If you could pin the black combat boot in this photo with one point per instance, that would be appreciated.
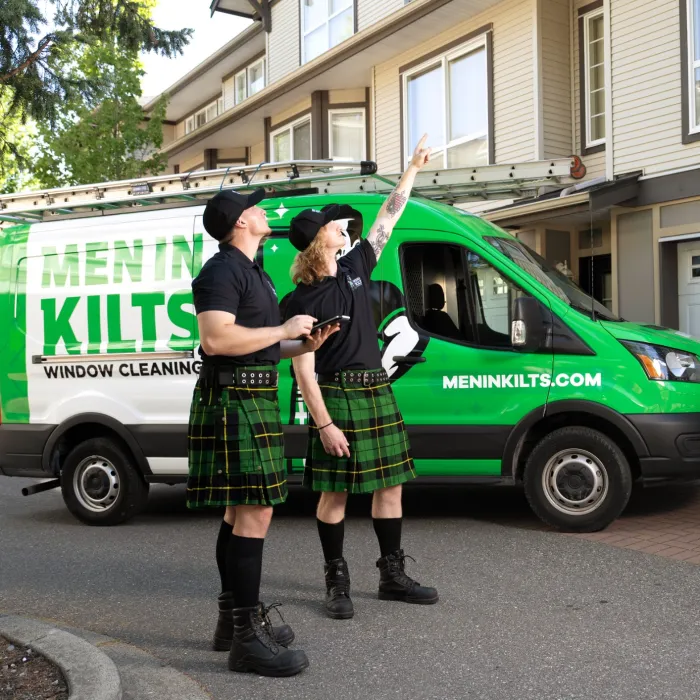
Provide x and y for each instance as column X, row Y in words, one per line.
column 254, row 650
column 395, row 584
column 338, row 603
column 223, row 636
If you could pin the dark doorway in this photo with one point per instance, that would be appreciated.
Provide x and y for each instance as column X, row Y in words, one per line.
column 597, row 270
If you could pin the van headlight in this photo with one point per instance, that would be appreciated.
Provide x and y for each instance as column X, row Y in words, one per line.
column 666, row 364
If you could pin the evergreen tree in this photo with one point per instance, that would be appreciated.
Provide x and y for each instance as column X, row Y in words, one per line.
column 33, row 45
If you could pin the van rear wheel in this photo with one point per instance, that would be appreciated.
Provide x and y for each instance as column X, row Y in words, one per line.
column 101, row 484
column 577, row 479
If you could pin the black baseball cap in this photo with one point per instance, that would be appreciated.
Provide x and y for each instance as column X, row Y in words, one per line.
column 225, row 208
column 306, row 225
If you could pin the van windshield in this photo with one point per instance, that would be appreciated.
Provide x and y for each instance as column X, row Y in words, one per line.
column 567, row 290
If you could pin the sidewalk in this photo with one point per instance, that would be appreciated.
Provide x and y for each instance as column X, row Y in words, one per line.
column 98, row 667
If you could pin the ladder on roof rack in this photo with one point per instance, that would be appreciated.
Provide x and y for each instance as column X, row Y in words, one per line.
column 452, row 186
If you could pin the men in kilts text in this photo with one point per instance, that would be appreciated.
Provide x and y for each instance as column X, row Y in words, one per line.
column 357, row 437
column 235, row 441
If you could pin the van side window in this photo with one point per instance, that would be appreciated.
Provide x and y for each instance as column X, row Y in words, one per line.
column 454, row 294
column 435, row 281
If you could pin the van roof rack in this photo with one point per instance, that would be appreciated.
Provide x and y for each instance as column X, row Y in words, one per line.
column 453, row 186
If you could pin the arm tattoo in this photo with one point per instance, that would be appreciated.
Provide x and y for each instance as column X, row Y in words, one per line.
column 396, row 203
column 380, row 241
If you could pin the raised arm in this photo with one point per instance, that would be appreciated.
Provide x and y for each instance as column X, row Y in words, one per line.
column 220, row 335
column 391, row 210
column 333, row 439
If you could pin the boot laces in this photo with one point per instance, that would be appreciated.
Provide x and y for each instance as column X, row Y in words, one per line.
column 397, row 569
column 263, row 626
column 340, row 583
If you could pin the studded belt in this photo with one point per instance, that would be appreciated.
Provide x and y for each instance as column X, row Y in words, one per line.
column 356, row 377
column 239, row 376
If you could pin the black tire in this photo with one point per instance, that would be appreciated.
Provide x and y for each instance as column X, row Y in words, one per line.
column 101, row 483
column 584, row 473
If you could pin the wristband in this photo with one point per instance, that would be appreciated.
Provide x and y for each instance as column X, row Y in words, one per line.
column 325, row 426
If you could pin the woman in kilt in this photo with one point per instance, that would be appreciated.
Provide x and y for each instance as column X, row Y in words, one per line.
column 357, row 440
column 235, row 442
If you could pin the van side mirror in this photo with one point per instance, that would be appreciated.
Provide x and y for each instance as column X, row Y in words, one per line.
column 527, row 332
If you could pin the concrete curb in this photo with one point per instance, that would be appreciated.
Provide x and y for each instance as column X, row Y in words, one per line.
column 90, row 673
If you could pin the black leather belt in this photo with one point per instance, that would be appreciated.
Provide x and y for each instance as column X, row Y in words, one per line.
column 357, row 377
column 239, row 376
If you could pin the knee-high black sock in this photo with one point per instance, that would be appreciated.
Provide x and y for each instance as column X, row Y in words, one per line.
column 332, row 536
column 244, row 569
column 222, row 541
column 388, row 531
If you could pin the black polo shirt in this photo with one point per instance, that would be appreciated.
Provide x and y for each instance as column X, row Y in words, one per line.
column 355, row 346
column 230, row 281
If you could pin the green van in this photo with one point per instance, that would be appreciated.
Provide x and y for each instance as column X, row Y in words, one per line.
column 506, row 372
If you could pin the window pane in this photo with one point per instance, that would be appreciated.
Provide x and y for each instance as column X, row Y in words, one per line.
column 468, row 96
column 316, row 43
column 425, row 102
column 597, row 102
column 302, row 141
column 697, row 97
column 341, row 28
column 347, row 135
column 338, row 5
column 597, row 76
column 494, row 296
column 211, row 112
column 695, row 260
column 696, row 26
column 315, row 12
column 256, row 78
column 598, row 128
column 595, row 28
column 475, row 152
column 201, row 119
column 240, row 87
column 281, row 147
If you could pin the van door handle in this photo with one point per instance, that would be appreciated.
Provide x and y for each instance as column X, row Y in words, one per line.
column 408, row 359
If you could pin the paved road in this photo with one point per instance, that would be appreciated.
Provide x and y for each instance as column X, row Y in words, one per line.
column 525, row 614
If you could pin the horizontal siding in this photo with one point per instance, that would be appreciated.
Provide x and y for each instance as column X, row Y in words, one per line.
column 336, row 97
column 371, row 11
column 301, row 106
column 556, row 77
column 646, row 67
column 595, row 163
column 283, row 41
column 257, row 153
column 180, row 130
column 195, row 162
column 513, row 85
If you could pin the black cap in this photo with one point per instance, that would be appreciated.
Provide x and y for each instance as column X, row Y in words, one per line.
column 308, row 223
column 225, row 208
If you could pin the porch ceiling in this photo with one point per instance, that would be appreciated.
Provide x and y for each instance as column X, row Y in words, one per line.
column 347, row 66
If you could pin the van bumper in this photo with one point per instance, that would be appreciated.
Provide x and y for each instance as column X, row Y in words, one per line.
column 673, row 440
column 21, row 449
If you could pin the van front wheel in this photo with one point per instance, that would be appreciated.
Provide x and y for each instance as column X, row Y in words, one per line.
column 101, row 484
column 577, row 479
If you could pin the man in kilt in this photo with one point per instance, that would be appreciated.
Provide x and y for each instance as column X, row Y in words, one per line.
column 357, row 438
column 235, row 441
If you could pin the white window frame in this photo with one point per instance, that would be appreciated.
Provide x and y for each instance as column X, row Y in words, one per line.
column 586, row 77
column 290, row 127
column 246, row 73
column 444, row 60
column 347, row 110
column 693, row 64
column 189, row 125
column 330, row 16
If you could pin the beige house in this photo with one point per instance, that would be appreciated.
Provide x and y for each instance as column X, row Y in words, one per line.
column 493, row 82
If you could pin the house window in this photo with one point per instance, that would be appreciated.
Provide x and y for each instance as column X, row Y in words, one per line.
column 325, row 24
column 347, row 129
column 693, row 10
column 593, row 78
column 448, row 98
column 189, row 125
column 204, row 115
column 291, row 142
column 249, row 81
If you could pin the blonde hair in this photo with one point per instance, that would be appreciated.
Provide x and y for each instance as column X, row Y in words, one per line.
column 310, row 265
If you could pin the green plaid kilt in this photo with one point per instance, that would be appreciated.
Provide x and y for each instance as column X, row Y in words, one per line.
column 380, row 454
column 235, row 448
